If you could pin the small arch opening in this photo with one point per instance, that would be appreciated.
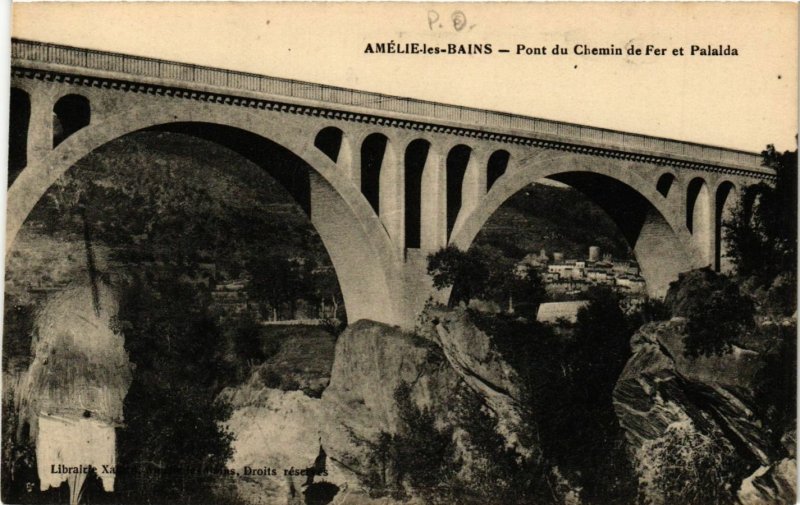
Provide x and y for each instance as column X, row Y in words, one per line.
column 696, row 190
column 329, row 141
column 457, row 160
column 496, row 167
column 415, row 157
column 664, row 184
column 19, row 121
column 70, row 114
column 373, row 150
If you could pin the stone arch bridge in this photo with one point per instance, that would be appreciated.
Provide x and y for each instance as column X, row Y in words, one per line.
column 385, row 180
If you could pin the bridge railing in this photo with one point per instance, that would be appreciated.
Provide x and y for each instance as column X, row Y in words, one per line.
column 169, row 70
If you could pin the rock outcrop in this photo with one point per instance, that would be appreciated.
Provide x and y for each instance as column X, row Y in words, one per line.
column 660, row 388
column 771, row 485
column 371, row 361
column 470, row 353
column 72, row 394
column 283, row 430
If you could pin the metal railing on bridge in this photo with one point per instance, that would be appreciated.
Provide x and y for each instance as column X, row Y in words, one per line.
column 169, row 70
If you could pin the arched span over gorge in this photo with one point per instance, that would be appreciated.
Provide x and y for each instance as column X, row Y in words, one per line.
column 385, row 180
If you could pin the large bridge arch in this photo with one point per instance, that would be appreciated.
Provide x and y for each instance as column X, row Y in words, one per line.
column 352, row 234
column 661, row 243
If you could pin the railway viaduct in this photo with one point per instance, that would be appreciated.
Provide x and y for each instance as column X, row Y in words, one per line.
column 385, row 180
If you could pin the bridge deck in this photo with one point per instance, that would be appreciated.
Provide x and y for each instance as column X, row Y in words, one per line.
column 23, row 51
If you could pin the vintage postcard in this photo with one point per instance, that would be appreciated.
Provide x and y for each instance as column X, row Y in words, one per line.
column 401, row 253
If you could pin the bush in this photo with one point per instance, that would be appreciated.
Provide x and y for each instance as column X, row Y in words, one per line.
column 497, row 475
column 776, row 382
column 651, row 309
column 173, row 444
column 419, row 456
column 247, row 341
column 717, row 313
column 716, row 321
column 762, row 231
column 687, row 467
column 333, row 326
column 19, row 474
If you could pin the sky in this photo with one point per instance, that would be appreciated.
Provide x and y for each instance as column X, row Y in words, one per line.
column 742, row 102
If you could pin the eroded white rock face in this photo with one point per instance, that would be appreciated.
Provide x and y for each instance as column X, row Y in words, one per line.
column 72, row 394
column 67, row 448
column 278, row 435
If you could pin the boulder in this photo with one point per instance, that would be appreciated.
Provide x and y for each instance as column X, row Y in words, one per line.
column 372, row 359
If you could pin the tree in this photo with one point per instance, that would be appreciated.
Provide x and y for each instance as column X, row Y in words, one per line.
column 276, row 280
column 462, row 270
column 717, row 313
column 762, row 231
column 173, row 443
column 483, row 272
column 247, row 341
column 566, row 395
column 586, row 438
column 601, row 344
column 528, row 292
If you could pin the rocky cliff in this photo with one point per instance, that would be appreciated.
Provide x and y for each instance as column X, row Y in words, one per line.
column 283, row 430
column 706, row 404
column 661, row 394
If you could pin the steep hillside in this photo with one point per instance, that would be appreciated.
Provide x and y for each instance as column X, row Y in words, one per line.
column 554, row 218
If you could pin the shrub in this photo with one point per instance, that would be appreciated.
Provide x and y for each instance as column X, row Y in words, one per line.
column 419, row 456
column 687, row 467
column 497, row 474
column 717, row 313
column 762, row 230
column 716, row 320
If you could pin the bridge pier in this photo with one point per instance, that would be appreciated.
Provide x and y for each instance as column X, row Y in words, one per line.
column 659, row 259
column 433, row 205
column 474, row 185
column 392, row 204
column 40, row 130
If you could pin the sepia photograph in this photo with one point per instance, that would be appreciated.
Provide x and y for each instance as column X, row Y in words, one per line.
column 400, row 253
